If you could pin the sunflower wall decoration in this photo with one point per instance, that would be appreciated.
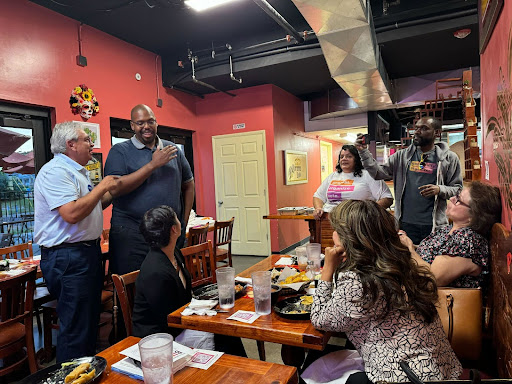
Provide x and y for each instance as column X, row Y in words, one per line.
column 83, row 102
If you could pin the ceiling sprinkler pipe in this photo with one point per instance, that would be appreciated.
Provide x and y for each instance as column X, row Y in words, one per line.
column 205, row 84
column 276, row 16
column 231, row 75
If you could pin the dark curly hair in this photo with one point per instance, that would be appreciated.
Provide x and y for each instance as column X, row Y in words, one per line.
column 384, row 265
column 358, row 168
column 485, row 205
column 156, row 225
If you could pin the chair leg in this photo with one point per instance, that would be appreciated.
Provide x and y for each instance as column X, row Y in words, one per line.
column 31, row 352
column 261, row 350
column 38, row 319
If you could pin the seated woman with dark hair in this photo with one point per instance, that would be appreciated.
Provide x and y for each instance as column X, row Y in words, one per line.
column 458, row 254
column 164, row 285
column 381, row 299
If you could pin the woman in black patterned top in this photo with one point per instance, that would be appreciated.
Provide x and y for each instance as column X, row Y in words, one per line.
column 382, row 299
column 458, row 255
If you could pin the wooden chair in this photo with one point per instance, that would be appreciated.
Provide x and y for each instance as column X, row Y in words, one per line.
column 200, row 263
column 17, row 299
column 223, row 231
column 197, row 235
column 41, row 295
column 19, row 252
column 125, row 288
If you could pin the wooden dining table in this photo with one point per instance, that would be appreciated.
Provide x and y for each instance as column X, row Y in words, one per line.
column 294, row 335
column 24, row 264
column 228, row 369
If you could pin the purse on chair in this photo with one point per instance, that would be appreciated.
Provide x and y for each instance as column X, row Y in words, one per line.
column 460, row 310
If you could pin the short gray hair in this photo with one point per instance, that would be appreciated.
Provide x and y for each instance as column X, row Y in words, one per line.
column 62, row 133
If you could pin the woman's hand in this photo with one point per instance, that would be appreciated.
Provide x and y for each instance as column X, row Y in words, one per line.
column 334, row 256
column 406, row 240
column 317, row 214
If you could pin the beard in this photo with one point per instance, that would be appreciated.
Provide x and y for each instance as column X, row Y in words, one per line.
column 422, row 141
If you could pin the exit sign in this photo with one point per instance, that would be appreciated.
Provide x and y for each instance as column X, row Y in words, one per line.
column 239, row 126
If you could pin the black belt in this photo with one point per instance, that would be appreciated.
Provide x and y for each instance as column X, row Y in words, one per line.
column 87, row 243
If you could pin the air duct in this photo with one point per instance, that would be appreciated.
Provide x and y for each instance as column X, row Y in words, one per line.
column 345, row 31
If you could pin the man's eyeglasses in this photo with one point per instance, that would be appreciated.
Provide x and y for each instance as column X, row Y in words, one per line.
column 142, row 123
column 459, row 201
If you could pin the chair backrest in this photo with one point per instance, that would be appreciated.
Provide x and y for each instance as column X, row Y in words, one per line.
column 200, row 263
column 105, row 234
column 125, row 288
column 17, row 299
column 20, row 251
column 5, row 239
column 197, row 235
column 223, row 231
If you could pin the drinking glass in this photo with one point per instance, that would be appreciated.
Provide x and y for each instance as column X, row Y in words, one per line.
column 261, row 288
column 226, row 286
column 302, row 258
column 314, row 260
column 156, row 358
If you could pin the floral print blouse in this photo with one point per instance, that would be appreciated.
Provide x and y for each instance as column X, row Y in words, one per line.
column 384, row 342
column 464, row 242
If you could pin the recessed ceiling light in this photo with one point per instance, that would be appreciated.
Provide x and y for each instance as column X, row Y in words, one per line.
column 201, row 5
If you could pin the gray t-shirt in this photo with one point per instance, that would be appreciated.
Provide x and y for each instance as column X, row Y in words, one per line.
column 162, row 187
column 422, row 170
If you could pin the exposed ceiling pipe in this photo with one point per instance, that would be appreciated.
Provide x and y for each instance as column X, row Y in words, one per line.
column 276, row 16
column 250, row 57
column 192, row 60
column 231, row 75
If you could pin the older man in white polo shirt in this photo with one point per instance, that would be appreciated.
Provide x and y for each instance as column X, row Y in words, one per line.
column 68, row 224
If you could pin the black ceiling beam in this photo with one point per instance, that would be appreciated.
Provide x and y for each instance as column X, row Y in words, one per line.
column 276, row 16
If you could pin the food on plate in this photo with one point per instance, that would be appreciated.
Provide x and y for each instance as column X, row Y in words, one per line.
column 75, row 373
column 85, row 377
column 239, row 288
column 299, row 277
column 306, row 300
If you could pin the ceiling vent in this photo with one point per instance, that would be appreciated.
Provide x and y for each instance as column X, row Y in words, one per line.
column 346, row 34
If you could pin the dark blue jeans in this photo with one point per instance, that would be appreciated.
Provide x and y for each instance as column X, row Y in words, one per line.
column 74, row 276
column 416, row 232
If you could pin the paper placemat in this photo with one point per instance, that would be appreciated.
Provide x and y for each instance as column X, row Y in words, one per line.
column 244, row 316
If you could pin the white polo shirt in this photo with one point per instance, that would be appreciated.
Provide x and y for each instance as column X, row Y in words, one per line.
column 60, row 181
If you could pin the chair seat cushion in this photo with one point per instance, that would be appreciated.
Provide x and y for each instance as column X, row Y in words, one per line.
column 42, row 294
column 11, row 334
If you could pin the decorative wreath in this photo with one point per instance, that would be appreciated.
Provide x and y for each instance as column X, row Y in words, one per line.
column 83, row 102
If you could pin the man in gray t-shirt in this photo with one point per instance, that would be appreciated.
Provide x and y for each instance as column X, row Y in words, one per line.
column 425, row 176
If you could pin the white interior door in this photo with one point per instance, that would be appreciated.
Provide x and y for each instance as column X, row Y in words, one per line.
column 240, row 169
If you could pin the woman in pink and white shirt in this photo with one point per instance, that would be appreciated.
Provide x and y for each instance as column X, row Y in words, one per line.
column 349, row 182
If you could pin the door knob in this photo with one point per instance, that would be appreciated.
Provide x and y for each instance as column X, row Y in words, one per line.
column 220, row 202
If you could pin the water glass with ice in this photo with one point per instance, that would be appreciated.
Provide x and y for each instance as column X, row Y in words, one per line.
column 302, row 257
column 261, row 287
column 156, row 358
column 314, row 260
column 226, row 286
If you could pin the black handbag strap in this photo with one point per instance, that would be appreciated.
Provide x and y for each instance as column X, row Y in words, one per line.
column 449, row 308
column 474, row 375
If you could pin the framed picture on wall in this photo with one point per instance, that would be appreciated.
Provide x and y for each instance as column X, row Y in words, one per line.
column 488, row 12
column 95, row 168
column 296, row 167
column 93, row 130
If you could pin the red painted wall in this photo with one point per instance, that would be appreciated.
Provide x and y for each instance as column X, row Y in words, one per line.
column 38, row 66
column 496, row 87
column 216, row 115
column 38, row 50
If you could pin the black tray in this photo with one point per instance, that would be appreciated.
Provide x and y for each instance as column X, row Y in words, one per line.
column 56, row 373
column 210, row 292
column 283, row 307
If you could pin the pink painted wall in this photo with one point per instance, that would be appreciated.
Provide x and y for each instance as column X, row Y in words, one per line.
column 496, row 87
column 38, row 66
